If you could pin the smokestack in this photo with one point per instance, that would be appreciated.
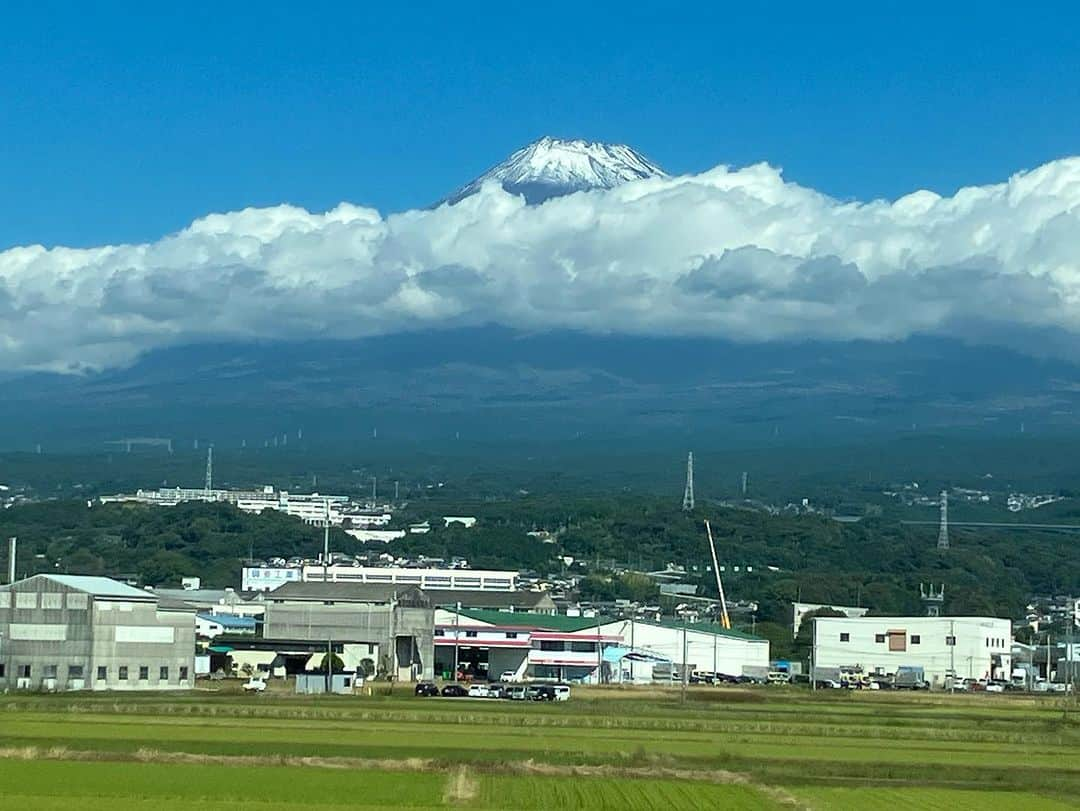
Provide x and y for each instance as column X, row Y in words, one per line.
column 12, row 541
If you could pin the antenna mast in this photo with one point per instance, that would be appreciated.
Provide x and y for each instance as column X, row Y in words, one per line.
column 209, row 469
column 688, row 493
column 725, row 620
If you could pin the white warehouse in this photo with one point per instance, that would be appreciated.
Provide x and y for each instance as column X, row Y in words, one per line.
column 966, row 647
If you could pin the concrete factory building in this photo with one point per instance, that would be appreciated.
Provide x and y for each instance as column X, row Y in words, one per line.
column 963, row 647
column 390, row 626
column 69, row 632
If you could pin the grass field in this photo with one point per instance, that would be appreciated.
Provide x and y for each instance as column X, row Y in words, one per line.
column 730, row 749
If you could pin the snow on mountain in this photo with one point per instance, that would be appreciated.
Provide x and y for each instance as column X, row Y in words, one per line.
column 551, row 167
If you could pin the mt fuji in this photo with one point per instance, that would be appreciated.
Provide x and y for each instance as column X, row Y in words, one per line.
column 552, row 167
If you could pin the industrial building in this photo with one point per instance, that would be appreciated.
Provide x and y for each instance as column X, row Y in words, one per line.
column 944, row 647
column 487, row 644
column 69, row 632
column 699, row 647
column 268, row 578
column 390, row 626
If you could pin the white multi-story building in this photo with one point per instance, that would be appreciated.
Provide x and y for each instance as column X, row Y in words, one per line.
column 268, row 578
column 965, row 647
column 311, row 508
column 456, row 579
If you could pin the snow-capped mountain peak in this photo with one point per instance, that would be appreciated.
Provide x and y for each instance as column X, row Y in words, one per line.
column 551, row 167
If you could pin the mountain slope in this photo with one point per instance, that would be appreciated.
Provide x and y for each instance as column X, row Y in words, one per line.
column 551, row 167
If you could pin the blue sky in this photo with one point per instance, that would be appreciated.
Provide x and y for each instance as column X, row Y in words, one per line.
column 119, row 124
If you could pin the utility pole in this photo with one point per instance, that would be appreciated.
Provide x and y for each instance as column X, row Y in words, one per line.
column 329, row 667
column 457, row 624
column 952, row 656
column 326, row 538
column 714, row 639
column 599, row 654
column 683, row 688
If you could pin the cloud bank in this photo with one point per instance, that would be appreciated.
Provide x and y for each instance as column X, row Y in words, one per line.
column 739, row 254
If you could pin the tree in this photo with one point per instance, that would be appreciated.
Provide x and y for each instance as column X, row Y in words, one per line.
column 335, row 662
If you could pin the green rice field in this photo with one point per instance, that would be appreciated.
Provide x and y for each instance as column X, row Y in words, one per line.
column 618, row 749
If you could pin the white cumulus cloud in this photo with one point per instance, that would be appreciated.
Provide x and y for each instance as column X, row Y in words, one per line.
column 739, row 254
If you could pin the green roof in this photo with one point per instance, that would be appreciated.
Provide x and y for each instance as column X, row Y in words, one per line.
column 524, row 619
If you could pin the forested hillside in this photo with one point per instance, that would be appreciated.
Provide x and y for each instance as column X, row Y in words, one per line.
column 876, row 563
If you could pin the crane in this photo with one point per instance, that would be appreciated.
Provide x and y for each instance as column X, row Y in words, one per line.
column 725, row 620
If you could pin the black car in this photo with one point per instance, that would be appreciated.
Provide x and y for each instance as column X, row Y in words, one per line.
column 544, row 692
column 454, row 691
column 426, row 688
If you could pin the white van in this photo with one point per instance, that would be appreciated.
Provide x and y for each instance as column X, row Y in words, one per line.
column 479, row 691
column 562, row 692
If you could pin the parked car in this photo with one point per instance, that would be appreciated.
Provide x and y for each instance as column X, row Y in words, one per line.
column 519, row 692
column 254, row 685
column 827, row 684
column 426, row 688
column 749, row 680
column 479, row 691
column 995, row 687
column 454, row 691
column 779, row 677
column 508, row 676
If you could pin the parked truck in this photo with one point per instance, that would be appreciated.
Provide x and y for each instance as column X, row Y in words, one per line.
column 910, row 677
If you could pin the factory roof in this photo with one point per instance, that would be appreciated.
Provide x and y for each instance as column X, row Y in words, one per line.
column 543, row 622
column 97, row 586
column 383, row 593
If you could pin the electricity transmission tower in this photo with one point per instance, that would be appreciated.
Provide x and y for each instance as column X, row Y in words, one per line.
column 688, row 493
column 943, row 530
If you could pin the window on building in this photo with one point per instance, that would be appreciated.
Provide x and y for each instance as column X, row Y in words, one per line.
column 916, row 639
column 897, row 640
column 583, row 647
column 123, row 673
column 950, row 641
column 440, row 632
column 75, row 671
column 371, row 648
column 102, row 673
column 183, row 674
column 845, row 636
column 52, row 601
column 511, row 634
column 471, row 634
column 144, row 673
column 879, row 638
column 163, row 674
column 49, row 672
column 552, row 644
column 23, row 671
